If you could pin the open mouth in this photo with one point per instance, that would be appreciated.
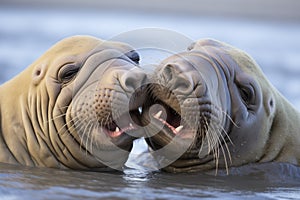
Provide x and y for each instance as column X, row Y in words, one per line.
column 115, row 130
column 171, row 122
column 128, row 122
column 170, row 118
column 121, row 131
column 125, row 124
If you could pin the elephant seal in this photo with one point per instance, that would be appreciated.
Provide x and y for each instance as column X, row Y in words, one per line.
column 69, row 109
column 217, row 101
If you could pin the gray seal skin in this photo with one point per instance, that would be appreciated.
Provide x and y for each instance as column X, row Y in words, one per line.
column 68, row 108
column 217, row 96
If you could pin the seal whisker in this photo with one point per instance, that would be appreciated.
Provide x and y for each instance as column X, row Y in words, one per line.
column 83, row 135
column 69, row 128
column 202, row 139
column 230, row 119
column 63, row 107
column 226, row 115
column 56, row 117
column 221, row 129
column 207, row 137
column 93, row 135
column 66, row 124
column 214, row 149
column 220, row 116
column 222, row 148
column 226, row 145
column 107, row 119
column 77, row 123
column 90, row 137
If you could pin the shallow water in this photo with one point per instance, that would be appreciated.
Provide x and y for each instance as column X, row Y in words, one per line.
column 265, row 181
column 26, row 33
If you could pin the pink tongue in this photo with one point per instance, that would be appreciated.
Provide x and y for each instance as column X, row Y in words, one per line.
column 114, row 134
column 168, row 125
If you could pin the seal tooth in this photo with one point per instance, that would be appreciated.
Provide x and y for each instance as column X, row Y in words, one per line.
column 158, row 114
column 140, row 109
column 178, row 129
column 117, row 129
column 130, row 124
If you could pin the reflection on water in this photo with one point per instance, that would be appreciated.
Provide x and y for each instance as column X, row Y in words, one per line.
column 273, row 181
column 26, row 34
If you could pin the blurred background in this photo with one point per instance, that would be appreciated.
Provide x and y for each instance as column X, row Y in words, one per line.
column 268, row 30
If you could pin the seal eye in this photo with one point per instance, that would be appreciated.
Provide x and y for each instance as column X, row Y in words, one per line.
column 247, row 94
column 134, row 56
column 67, row 72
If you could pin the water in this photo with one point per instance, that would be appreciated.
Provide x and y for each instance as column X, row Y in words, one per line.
column 26, row 33
column 265, row 181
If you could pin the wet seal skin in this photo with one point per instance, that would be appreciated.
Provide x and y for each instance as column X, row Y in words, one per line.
column 70, row 108
column 217, row 101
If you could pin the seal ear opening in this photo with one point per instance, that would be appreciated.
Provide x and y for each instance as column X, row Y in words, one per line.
column 38, row 74
column 270, row 105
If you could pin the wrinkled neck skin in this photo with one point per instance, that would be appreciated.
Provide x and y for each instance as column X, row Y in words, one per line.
column 284, row 136
column 13, row 114
column 33, row 130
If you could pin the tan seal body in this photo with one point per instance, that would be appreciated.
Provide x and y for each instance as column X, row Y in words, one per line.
column 63, row 110
column 216, row 96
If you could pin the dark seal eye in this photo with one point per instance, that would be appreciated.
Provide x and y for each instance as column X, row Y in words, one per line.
column 247, row 94
column 68, row 72
column 134, row 56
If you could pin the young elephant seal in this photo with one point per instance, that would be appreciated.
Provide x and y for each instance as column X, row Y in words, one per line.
column 69, row 109
column 215, row 100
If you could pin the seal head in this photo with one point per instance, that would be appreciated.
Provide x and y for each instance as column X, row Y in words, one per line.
column 73, row 107
column 215, row 101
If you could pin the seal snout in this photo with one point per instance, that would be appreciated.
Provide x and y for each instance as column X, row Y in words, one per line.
column 132, row 80
column 183, row 79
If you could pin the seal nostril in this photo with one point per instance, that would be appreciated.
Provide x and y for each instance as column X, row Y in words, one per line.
column 132, row 80
column 38, row 72
column 167, row 73
column 271, row 103
column 178, row 78
column 200, row 90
